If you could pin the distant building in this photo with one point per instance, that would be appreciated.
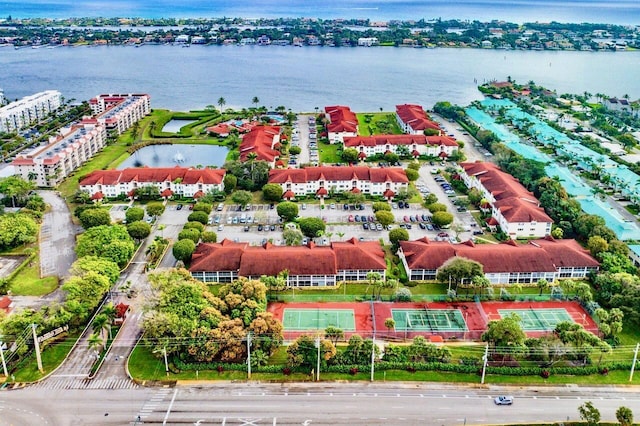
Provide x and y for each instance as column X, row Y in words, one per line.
column 342, row 123
column 186, row 182
column 368, row 41
column 307, row 266
column 505, row 263
column 119, row 112
column 28, row 110
column 48, row 166
column 514, row 209
column 320, row 181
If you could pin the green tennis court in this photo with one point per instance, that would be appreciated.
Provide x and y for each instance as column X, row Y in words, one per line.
column 318, row 319
column 428, row 320
column 538, row 319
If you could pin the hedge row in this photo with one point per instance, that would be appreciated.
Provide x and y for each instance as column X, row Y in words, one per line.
column 418, row 366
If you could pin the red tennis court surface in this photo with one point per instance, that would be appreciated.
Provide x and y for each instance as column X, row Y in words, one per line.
column 370, row 317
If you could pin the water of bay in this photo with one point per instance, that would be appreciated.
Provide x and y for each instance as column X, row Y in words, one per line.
column 302, row 78
column 610, row 11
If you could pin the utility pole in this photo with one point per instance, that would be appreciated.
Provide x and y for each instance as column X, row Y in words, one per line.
column 373, row 356
column 166, row 363
column 4, row 363
column 635, row 358
column 36, row 346
column 485, row 358
column 318, row 369
column 249, row 355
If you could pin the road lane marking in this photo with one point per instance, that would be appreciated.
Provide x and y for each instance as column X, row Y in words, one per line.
column 166, row 417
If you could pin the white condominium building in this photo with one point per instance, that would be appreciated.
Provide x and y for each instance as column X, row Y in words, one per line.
column 47, row 166
column 28, row 110
column 119, row 112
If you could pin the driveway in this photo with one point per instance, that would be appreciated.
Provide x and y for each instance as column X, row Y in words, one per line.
column 57, row 237
column 471, row 145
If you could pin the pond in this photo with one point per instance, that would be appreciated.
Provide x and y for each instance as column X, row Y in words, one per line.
column 177, row 155
column 174, row 126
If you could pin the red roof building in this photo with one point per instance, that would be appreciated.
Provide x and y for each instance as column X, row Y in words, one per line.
column 342, row 123
column 64, row 153
column 6, row 304
column 430, row 146
column 175, row 180
column 119, row 112
column 308, row 265
column 414, row 120
column 506, row 263
column 516, row 210
column 323, row 179
column 261, row 141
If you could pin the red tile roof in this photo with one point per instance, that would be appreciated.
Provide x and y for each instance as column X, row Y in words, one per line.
column 288, row 195
column 338, row 173
column 342, row 119
column 299, row 260
column 544, row 255
column 415, row 117
column 515, row 203
column 166, row 193
column 377, row 140
column 97, row 196
column 5, row 302
column 260, row 140
column 154, row 174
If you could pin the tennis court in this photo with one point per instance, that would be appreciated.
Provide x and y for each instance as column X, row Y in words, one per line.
column 538, row 319
column 318, row 319
column 428, row 320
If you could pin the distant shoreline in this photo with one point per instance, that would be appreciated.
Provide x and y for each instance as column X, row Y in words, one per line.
column 37, row 33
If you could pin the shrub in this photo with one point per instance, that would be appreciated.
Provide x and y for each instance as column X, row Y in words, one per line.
column 545, row 374
column 402, row 295
column 286, row 371
column 604, row 371
column 353, row 371
column 220, row 369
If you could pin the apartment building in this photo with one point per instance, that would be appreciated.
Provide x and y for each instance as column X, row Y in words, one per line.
column 413, row 144
column 183, row 181
column 514, row 209
column 119, row 112
column 28, row 110
column 323, row 180
column 503, row 264
column 47, row 166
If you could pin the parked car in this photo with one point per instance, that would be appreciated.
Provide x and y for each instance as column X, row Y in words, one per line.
column 378, row 227
column 365, row 225
column 350, row 218
column 272, row 228
column 179, row 207
column 357, row 218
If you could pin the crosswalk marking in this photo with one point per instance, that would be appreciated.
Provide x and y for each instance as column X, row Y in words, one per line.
column 70, row 383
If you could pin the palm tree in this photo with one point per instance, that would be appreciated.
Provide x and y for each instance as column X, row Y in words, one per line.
column 100, row 324
column 95, row 343
column 255, row 101
column 221, row 102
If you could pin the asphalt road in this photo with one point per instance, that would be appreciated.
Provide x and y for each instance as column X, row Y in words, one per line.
column 310, row 404
column 57, row 237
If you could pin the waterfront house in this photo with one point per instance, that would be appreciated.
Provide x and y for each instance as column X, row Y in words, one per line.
column 118, row 112
column 264, row 142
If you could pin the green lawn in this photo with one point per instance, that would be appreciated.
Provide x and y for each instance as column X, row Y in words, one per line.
column 28, row 282
column 375, row 123
column 52, row 356
column 329, row 153
column 144, row 366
